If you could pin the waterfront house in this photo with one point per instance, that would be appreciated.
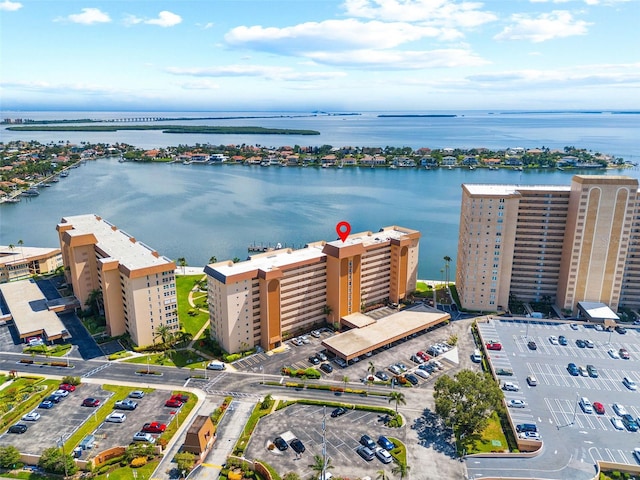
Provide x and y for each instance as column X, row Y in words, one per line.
column 470, row 161
column 330, row 159
column 449, row 161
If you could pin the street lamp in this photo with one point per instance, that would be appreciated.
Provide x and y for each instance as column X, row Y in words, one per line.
column 262, row 372
column 64, row 460
column 575, row 409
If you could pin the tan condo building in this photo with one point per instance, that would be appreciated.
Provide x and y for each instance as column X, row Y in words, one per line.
column 137, row 284
column 262, row 301
column 18, row 262
column 562, row 244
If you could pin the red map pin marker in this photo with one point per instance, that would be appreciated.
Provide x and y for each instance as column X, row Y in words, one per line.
column 343, row 229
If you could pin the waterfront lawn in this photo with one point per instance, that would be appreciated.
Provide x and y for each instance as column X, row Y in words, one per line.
column 191, row 319
column 423, row 289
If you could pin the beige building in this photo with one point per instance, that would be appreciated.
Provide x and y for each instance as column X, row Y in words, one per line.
column 276, row 294
column 564, row 244
column 19, row 262
column 137, row 284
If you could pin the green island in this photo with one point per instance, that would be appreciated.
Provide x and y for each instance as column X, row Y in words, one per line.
column 166, row 129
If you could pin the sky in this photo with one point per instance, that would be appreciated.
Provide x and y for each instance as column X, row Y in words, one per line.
column 326, row 55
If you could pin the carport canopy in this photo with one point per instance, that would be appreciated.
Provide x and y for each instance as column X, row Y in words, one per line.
column 598, row 312
column 359, row 341
column 30, row 312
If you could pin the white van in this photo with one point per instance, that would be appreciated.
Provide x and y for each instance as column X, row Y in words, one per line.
column 585, row 404
column 216, row 365
column 476, row 357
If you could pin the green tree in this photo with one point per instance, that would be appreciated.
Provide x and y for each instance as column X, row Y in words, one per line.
column 401, row 469
column 213, row 259
column 321, row 466
column 371, row 369
column 53, row 461
column 236, row 259
column 164, row 333
column 345, row 379
column 182, row 262
column 95, row 301
column 398, row 398
column 291, row 476
column 267, row 402
column 466, row 401
column 447, row 260
column 9, row 456
column 185, row 461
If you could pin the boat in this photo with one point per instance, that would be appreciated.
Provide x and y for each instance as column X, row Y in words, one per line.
column 32, row 192
column 325, row 165
column 471, row 167
column 341, row 165
column 393, row 167
column 265, row 163
column 54, row 180
column 64, row 173
column 449, row 167
column 11, row 200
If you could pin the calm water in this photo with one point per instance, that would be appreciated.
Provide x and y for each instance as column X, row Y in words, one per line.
column 200, row 211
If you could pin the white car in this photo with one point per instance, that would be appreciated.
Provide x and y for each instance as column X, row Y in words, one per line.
column 532, row 380
column 619, row 409
column 530, row 435
column 636, row 453
column 613, row 353
column 630, row 384
column 61, row 393
column 553, row 340
column 31, row 417
column 514, row 403
column 116, row 417
column 599, row 328
column 421, row 373
column 510, row 387
column 617, row 423
column 583, row 371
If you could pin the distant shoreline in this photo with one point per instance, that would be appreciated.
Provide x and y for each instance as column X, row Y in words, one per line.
column 417, row 116
column 190, row 129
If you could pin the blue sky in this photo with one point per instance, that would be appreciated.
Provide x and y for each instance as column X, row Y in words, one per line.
column 302, row 55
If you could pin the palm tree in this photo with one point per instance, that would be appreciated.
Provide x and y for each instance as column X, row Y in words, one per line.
column 164, row 333
column 447, row 260
column 321, row 466
column 401, row 469
column 94, row 301
column 397, row 397
column 382, row 475
column 345, row 379
column 213, row 259
column 371, row 369
column 183, row 263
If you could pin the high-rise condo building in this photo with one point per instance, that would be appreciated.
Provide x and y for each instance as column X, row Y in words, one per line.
column 561, row 244
column 136, row 285
column 263, row 300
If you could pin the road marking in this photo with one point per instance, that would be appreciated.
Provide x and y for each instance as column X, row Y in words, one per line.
column 212, row 465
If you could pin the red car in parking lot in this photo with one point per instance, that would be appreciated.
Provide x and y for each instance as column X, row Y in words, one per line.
column 173, row 403
column 598, row 407
column 494, row 346
column 90, row 402
column 154, row 427
column 67, row 387
column 180, row 397
column 423, row 356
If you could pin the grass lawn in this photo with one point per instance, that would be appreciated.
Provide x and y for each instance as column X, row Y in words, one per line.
column 126, row 473
column 484, row 444
column 25, row 475
column 180, row 358
column 399, row 453
column 422, row 289
column 54, row 351
column 190, row 323
column 24, row 394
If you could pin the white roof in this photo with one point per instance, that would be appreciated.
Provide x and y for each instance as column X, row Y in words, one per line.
column 28, row 307
column 501, row 190
column 598, row 310
column 271, row 260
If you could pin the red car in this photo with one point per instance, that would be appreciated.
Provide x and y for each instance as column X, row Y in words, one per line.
column 423, row 356
column 154, row 427
column 624, row 353
column 494, row 346
column 180, row 397
column 67, row 387
column 90, row 402
column 173, row 403
column 598, row 407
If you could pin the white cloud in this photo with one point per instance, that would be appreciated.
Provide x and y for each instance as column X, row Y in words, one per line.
column 400, row 59
column 89, row 16
column 9, row 6
column 59, row 88
column 200, row 85
column 443, row 13
column 165, row 19
column 264, row 71
column 546, row 26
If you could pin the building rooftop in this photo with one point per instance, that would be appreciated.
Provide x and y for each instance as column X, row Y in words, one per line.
column 115, row 243
column 597, row 310
column 28, row 307
column 502, row 190
column 21, row 254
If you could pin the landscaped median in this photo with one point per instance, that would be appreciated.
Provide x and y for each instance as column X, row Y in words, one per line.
column 22, row 396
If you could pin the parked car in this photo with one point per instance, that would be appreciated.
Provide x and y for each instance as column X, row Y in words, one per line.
column 510, row 387
column 395, row 370
column 321, row 356
column 585, row 405
column 562, row 340
column 297, row 446
column 314, row 360
column 423, row 355
column 67, row 387
column 280, row 444
column 416, row 359
column 338, row 412
column 90, row 402
column 589, row 344
column 18, row 428
column 580, row 343
column 366, row 441
column 619, row 409
column 173, row 403
column 583, row 371
column 532, row 345
column 340, row 362
column 46, row 404
column 421, row 373
column 154, row 427
column 413, row 380
column 573, row 369
column 125, row 405
column 630, row 384
column 574, row 326
column 617, row 423
column 529, row 435
column 181, row 397
column 54, row 398
column 216, row 365
column 385, row 443
column 365, row 453
column 326, row 368
column 621, row 330
column 116, row 417
column 624, row 353
column 494, row 346
column 553, row 340
column 382, row 376
column 31, row 416
column 592, row 371
column 532, row 380
column 613, row 354
column 599, row 408
column 136, row 394
column 316, row 333
column 515, row 403
column 598, row 327
column 305, row 339
column 402, row 366
column 384, row 456
column 297, row 341
column 629, row 422
column 636, row 454
column 143, row 437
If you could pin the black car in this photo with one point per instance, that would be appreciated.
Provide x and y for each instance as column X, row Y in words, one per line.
column 18, row 428
column 326, row 368
column 412, row 378
column 382, row 376
column 314, row 360
column 297, row 445
column 562, row 340
column 580, row 343
column 280, row 444
column 54, row 398
column 621, row 330
column 338, row 412
column 532, row 345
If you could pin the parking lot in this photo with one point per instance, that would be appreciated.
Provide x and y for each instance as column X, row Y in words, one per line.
column 297, row 356
column 553, row 403
column 342, row 438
